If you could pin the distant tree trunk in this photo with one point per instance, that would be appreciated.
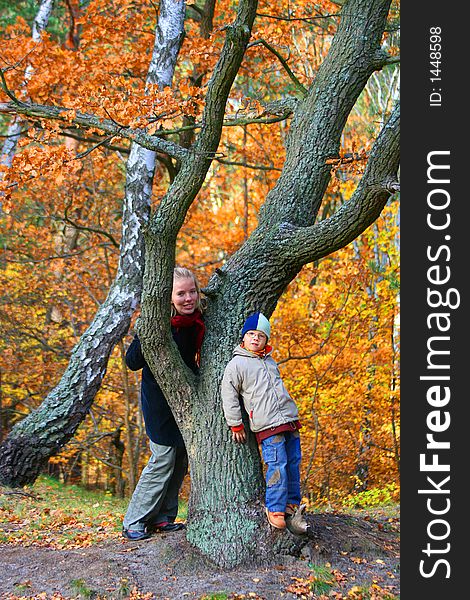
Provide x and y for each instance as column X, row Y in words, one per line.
column 361, row 482
column 116, row 454
column 394, row 395
column 84, row 462
column 3, row 413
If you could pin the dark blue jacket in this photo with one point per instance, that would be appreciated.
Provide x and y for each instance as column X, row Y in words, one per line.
column 160, row 424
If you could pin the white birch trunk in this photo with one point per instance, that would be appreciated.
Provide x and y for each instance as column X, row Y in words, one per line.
column 14, row 130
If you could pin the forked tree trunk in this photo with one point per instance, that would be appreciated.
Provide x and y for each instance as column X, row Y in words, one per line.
column 226, row 514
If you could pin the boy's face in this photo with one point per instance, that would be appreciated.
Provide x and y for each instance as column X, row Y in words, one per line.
column 254, row 340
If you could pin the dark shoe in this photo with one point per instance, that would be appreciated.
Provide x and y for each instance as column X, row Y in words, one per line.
column 167, row 527
column 135, row 534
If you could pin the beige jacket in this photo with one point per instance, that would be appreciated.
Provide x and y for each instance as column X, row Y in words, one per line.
column 258, row 382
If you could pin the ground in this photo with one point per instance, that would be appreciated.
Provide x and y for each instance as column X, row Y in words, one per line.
column 346, row 557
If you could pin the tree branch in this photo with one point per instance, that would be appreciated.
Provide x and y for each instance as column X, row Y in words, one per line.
column 319, row 119
column 377, row 184
column 283, row 62
column 68, row 220
column 104, row 142
column 287, row 217
column 391, row 60
column 72, row 117
column 196, row 162
column 235, row 163
column 94, row 140
column 8, row 92
column 33, row 261
column 254, row 121
column 293, row 19
column 164, row 227
column 232, row 122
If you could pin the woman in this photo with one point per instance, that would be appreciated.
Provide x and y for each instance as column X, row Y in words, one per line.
column 154, row 503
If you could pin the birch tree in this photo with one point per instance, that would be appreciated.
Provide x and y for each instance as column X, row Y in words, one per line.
column 14, row 130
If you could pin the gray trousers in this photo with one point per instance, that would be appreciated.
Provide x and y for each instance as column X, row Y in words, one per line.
column 155, row 498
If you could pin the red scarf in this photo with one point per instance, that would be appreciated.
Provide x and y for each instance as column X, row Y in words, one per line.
column 262, row 353
column 195, row 320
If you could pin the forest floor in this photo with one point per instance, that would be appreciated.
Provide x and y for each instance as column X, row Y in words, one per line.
column 48, row 554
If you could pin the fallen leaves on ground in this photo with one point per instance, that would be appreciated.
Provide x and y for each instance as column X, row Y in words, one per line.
column 49, row 519
column 318, row 586
column 133, row 595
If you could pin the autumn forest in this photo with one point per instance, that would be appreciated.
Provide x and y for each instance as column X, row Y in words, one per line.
column 64, row 189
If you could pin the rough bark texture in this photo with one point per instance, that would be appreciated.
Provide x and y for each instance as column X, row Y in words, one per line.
column 226, row 518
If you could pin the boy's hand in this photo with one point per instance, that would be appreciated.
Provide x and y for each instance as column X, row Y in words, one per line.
column 239, row 436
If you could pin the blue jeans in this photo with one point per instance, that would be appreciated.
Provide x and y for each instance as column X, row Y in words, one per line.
column 282, row 456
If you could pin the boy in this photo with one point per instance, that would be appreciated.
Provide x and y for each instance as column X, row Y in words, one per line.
column 253, row 375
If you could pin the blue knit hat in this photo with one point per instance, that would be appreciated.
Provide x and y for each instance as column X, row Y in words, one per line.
column 257, row 322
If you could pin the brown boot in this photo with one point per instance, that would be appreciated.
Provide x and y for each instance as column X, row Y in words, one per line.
column 276, row 519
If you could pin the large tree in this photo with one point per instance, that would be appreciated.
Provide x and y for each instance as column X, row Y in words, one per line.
column 225, row 519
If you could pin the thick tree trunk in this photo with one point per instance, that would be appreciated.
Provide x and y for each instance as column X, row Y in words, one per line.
column 227, row 487
column 226, row 518
column 226, row 514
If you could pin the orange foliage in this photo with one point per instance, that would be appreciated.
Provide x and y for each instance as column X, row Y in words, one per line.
column 335, row 329
column 336, row 332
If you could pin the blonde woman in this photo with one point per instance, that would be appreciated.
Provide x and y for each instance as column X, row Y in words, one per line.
column 154, row 503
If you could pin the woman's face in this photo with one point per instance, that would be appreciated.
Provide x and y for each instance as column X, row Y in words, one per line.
column 184, row 295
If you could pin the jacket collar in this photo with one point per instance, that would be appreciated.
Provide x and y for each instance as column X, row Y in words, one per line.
column 242, row 351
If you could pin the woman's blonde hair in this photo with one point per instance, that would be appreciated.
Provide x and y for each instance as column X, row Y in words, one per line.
column 184, row 273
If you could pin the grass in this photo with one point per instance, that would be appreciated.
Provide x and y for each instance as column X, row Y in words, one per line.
column 49, row 513
column 319, row 583
column 375, row 592
column 322, row 580
column 80, row 587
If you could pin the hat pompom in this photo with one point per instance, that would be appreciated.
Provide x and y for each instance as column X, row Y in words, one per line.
column 257, row 322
